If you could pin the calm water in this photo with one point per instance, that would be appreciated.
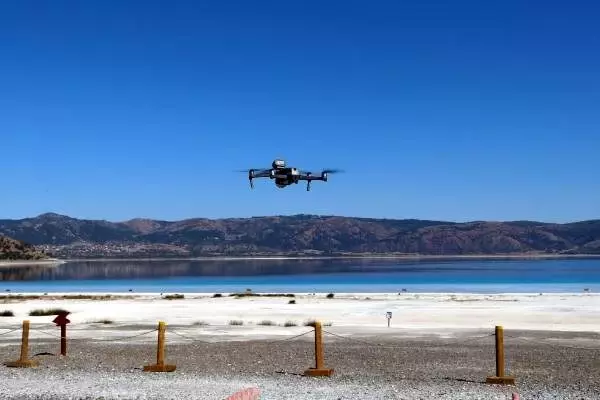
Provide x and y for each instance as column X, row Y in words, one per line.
column 569, row 275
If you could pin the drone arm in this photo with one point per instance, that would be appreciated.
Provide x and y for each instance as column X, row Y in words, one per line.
column 260, row 174
column 307, row 177
column 257, row 174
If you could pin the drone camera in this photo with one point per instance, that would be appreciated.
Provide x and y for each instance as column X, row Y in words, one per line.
column 279, row 164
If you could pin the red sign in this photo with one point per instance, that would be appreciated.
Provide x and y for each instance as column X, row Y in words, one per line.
column 61, row 319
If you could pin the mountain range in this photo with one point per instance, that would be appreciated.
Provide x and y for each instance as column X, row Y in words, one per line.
column 65, row 237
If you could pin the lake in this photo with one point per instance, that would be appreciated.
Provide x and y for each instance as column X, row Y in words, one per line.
column 307, row 276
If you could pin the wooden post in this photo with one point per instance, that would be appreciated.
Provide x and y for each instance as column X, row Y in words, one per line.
column 63, row 340
column 23, row 362
column 319, row 356
column 319, row 369
column 500, row 378
column 160, row 350
column 160, row 365
column 499, row 352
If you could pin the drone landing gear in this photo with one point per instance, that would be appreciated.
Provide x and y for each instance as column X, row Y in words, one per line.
column 250, row 177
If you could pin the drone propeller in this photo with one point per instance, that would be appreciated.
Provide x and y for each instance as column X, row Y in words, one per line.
column 251, row 174
column 324, row 171
column 251, row 169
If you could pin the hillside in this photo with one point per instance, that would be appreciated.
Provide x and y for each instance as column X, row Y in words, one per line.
column 63, row 236
column 11, row 249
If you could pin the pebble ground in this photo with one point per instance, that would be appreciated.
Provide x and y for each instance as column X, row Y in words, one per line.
column 547, row 365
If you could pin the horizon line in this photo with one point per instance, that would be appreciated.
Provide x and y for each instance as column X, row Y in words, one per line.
column 50, row 213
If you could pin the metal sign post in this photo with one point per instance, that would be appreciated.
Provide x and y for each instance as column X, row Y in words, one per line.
column 62, row 321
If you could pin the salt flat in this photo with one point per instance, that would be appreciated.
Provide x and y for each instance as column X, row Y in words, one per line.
column 356, row 314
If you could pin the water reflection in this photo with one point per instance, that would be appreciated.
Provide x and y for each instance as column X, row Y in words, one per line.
column 160, row 269
column 489, row 269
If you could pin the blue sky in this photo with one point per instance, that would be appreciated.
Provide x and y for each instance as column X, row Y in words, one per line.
column 463, row 110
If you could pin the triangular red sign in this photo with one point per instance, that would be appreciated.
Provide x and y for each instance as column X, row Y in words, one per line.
column 61, row 319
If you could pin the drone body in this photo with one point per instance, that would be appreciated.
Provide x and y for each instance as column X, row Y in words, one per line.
column 285, row 176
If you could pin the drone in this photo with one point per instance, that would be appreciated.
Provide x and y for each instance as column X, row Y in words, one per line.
column 285, row 176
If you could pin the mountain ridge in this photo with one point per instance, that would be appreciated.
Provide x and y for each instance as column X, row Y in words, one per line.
column 65, row 236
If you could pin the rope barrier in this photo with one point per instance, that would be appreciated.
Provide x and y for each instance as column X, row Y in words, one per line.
column 540, row 341
column 448, row 341
column 119, row 338
column 95, row 339
column 468, row 340
column 290, row 338
column 356, row 340
column 189, row 338
column 177, row 333
column 458, row 340
column 44, row 332
column 10, row 331
column 318, row 370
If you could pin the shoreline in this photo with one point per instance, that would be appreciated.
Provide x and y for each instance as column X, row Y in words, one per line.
column 354, row 314
column 390, row 257
column 524, row 256
column 20, row 263
column 269, row 294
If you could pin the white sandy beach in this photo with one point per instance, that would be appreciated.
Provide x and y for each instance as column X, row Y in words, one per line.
column 355, row 314
column 28, row 263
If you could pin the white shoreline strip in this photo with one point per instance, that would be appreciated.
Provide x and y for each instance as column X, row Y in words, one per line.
column 348, row 313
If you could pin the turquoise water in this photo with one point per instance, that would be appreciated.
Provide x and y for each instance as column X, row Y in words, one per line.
column 281, row 276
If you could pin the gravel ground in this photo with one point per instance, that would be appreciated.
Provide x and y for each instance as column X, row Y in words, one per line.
column 365, row 368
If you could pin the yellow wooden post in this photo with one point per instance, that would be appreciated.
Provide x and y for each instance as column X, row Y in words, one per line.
column 160, row 350
column 500, row 378
column 160, row 365
column 319, row 356
column 499, row 351
column 25, row 341
column 23, row 361
column 319, row 369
